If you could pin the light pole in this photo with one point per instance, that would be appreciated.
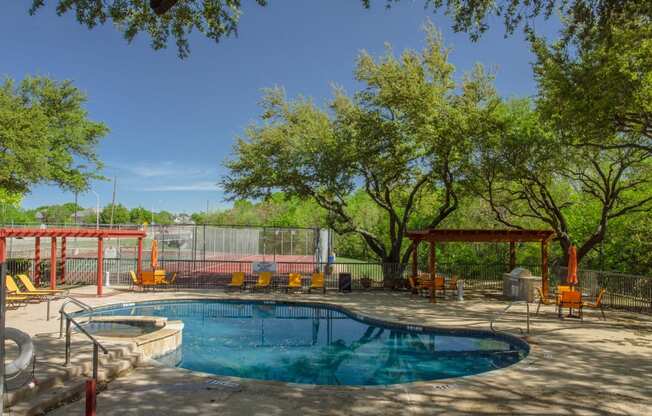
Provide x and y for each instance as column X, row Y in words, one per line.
column 97, row 209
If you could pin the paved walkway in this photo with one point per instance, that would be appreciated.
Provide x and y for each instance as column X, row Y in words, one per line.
column 589, row 368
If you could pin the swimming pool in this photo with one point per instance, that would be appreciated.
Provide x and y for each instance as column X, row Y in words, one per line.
column 322, row 344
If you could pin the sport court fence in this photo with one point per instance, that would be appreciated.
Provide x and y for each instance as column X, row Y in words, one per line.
column 194, row 242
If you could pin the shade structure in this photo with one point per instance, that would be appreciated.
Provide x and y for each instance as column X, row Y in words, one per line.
column 572, row 266
column 154, row 259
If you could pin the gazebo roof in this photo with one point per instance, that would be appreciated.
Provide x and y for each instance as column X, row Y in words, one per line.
column 469, row 235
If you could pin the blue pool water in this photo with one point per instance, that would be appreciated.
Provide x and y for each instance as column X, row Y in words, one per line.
column 316, row 344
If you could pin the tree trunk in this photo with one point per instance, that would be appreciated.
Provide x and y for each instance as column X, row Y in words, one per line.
column 393, row 269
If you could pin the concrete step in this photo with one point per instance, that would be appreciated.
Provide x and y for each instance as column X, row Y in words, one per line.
column 68, row 385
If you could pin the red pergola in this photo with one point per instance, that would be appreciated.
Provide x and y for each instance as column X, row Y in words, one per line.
column 64, row 233
column 433, row 236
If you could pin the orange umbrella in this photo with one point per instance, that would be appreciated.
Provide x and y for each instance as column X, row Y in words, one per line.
column 572, row 266
column 154, row 254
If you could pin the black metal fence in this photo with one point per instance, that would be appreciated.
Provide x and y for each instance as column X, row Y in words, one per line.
column 623, row 291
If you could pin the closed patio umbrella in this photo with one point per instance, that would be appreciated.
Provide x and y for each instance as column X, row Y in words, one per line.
column 572, row 266
column 154, row 254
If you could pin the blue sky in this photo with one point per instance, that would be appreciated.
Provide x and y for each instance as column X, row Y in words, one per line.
column 173, row 122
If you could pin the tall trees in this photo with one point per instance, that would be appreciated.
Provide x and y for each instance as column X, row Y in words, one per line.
column 46, row 136
column 404, row 135
column 599, row 89
column 529, row 176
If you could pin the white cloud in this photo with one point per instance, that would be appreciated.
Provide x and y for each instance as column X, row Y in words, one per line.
column 158, row 169
column 191, row 187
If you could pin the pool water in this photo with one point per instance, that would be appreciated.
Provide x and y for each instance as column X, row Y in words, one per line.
column 315, row 344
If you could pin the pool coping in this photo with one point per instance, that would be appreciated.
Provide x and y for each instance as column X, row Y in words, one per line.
column 534, row 353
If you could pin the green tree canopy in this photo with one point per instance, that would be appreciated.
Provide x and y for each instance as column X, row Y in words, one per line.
column 46, row 136
column 216, row 19
column 406, row 134
column 531, row 179
column 600, row 89
column 140, row 215
column 119, row 212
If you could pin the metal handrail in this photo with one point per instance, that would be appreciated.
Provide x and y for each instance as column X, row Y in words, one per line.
column 96, row 344
column 77, row 302
column 504, row 311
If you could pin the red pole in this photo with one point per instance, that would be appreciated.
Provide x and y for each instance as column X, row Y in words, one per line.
column 37, row 261
column 139, row 264
column 91, row 399
column 53, row 263
column 63, row 260
column 100, row 264
column 3, row 249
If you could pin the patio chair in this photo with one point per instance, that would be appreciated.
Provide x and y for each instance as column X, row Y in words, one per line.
column 317, row 282
column 237, row 281
column 171, row 281
column 15, row 302
column 264, row 282
column 598, row 303
column 11, row 285
column 294, row 282
column 134, row 281
column 543, row 300
column 29, row 286
column 452, row 285
column 571, row 300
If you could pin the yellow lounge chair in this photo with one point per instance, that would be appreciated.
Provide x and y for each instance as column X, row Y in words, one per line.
column 30, row 288
column 15, row 302
column 294, row 282
column 134, row 280
column 317, row 282
column 597, row 304
column 237, row 281
column 11, row 285
column 543, row 300
column 264, row 281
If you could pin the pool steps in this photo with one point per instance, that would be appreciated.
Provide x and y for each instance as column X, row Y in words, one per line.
column 70, row 382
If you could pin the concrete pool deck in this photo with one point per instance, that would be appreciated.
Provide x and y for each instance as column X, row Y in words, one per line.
column 575, row 368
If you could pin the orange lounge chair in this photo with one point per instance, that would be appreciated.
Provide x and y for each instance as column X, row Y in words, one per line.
column 264, row 281
column 317, row 282
column 294, row 282
column 572, row 300
column 237, row 281
column 598, row 303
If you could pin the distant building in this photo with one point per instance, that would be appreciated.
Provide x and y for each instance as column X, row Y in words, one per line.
column 183, row 219
column 84, row 213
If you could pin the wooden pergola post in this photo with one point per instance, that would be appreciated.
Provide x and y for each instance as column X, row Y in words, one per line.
column 37, row 261
column 432, row 269
column 100, row 265
column 53, row 263
column 139, row 261
column 512, row 256
column 545, row 285
column 63, row 260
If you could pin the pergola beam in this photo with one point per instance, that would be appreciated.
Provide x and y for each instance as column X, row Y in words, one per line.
column 63, row 233
column 70, row 232
column 480, row 236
